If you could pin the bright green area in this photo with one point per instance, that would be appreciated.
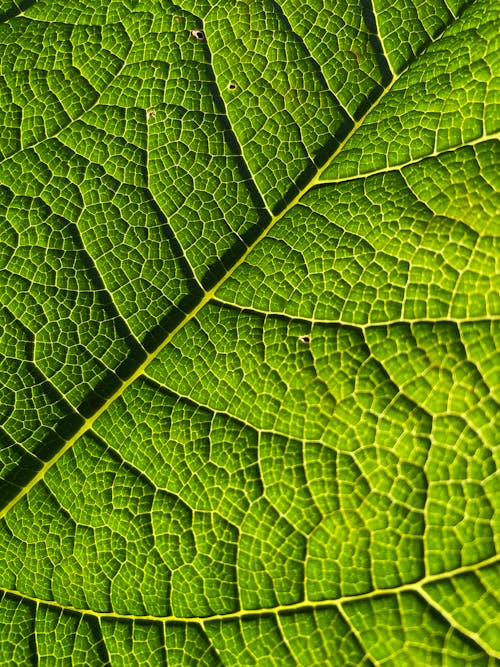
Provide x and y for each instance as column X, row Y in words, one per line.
column 249, row 334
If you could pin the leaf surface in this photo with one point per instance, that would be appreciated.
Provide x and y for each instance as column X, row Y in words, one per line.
column 249, row 328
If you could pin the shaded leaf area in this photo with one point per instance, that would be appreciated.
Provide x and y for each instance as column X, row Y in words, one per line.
column 249, row 333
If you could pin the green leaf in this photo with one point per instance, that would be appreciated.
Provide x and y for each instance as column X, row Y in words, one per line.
column 249, row 328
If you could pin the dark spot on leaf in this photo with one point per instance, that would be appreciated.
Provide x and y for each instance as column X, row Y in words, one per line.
column 231, row 85
column 305, row 339
column 357, row 56
column 198, row 34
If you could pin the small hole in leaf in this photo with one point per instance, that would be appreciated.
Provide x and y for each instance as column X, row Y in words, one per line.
column 198, row 34
column 231, row 85
column 151, row 113
column 305, row 339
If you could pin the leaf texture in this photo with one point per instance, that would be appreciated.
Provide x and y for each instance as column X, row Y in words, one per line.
column 249, row 373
